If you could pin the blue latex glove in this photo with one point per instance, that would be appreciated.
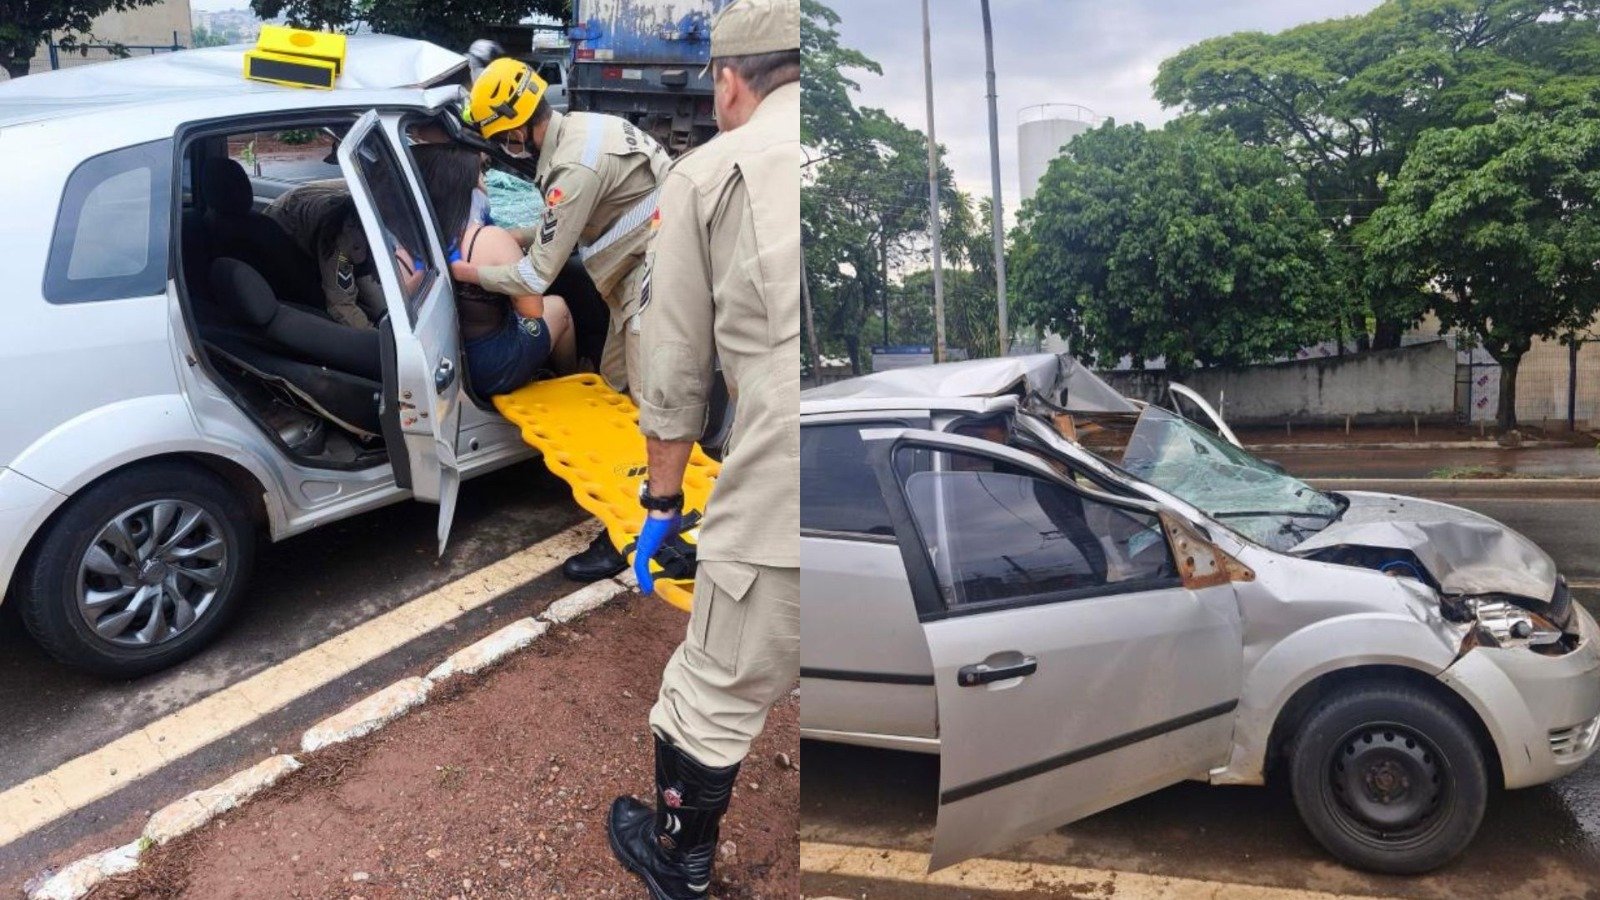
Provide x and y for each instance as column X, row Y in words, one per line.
column 654, row 533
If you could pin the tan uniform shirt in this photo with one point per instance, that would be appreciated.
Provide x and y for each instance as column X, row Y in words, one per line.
column 600, row 177
column 724, row 282
column 323, row 222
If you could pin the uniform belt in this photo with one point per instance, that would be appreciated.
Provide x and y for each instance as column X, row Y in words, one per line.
column 636, row 215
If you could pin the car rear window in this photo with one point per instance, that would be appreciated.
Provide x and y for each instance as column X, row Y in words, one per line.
column 838, row 490
column 111, row 234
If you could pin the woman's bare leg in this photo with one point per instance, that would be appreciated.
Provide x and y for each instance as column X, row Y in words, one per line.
column 563, row 337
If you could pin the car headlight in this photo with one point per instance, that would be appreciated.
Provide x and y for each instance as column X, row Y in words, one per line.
column 1505, row 624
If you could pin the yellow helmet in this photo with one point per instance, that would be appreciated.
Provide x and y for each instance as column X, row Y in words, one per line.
column 503, row 97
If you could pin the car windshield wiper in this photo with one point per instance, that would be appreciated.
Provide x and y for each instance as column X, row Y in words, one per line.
column 1248, row 513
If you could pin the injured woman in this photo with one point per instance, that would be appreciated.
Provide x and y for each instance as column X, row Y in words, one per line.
column 508, row 341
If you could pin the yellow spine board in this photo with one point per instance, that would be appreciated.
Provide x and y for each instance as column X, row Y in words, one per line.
column 589, row 435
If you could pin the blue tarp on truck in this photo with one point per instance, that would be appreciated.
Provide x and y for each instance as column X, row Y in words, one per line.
column 642, row 59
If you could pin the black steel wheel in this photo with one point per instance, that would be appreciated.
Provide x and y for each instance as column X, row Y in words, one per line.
column 1388, row 779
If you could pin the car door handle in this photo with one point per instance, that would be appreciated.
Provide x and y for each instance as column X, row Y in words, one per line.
column 984, row 673
column 445, row 375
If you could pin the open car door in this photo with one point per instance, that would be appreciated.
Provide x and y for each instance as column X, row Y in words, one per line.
column 1078, row 660
column 421, row 404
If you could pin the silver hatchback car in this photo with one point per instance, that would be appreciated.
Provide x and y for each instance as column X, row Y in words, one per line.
column 1075, row 599
column 172, row 419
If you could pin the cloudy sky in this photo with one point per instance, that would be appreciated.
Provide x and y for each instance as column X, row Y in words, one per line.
column 1102, row 54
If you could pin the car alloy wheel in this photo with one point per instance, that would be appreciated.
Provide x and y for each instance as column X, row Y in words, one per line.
column 151, row 573
column 1387, row 785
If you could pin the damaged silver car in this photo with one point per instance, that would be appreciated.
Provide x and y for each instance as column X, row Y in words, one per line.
column 1075, row 599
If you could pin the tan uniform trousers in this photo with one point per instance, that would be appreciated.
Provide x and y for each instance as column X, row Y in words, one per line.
column 740, row 656
column 619, row 360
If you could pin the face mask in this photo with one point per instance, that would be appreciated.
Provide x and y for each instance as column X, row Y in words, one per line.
column 517, row 149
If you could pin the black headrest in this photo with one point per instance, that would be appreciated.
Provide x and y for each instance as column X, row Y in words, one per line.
column 225, row 187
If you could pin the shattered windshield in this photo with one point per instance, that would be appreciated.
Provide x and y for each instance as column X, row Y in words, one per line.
column 1230, row 485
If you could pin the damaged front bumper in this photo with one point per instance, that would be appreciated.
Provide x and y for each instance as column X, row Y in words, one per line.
column 1542, row 711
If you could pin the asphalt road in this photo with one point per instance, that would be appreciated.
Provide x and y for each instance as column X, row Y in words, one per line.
column 1354, row 462
column 1540, row 842
column 304, row 591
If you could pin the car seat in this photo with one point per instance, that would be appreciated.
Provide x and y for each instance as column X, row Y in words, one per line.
column 304, row 336
column 234, row 229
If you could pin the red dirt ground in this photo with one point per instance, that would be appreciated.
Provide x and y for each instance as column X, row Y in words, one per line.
column 497, row 788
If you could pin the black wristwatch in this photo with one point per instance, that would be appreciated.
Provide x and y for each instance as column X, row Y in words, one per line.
column 659, row 504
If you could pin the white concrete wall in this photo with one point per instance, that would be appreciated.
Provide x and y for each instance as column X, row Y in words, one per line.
column 1412, row 381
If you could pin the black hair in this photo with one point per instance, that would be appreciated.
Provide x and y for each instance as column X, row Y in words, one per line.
column 449, row 174
column 764, row 72
column 541, row 112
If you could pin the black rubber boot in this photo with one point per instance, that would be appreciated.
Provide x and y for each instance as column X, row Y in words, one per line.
column 671, row 848
column 600, row 560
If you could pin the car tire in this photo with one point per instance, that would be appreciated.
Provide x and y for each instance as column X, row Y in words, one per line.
column 188, row 533
column 1388, row 778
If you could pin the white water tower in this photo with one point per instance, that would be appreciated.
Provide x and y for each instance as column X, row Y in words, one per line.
column 1041, row 132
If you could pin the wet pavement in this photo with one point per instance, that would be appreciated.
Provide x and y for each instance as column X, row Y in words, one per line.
column 1541, row 842
column 1359, row 462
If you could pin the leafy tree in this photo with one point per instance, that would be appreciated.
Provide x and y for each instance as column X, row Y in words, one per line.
column 25, row 24
column 864, row 194
column 1346, row 100
column 448, row 23
column 1500, row 224
column 829, row 119
column 1176, row 243
column 867, row 209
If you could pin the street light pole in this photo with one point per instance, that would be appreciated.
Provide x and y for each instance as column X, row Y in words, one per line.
column 933, row 192
column 996, row 208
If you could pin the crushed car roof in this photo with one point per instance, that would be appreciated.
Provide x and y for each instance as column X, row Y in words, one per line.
column 1062, row 380
column 372, row 62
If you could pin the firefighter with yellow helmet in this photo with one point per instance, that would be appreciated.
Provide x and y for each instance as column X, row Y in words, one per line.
column 600, row 176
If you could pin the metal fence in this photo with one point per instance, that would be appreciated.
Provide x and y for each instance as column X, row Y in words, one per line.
column 83, row 54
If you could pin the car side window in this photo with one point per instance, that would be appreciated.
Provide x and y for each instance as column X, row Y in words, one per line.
column 838, row 490
column 398, row 218
column 551, row 73
column 111, row 233
column 1000, row 535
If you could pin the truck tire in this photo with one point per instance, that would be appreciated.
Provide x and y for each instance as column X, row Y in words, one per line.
column 1388, row 779
column 139, row 571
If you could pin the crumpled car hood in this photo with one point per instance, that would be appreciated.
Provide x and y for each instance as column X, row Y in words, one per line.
column 1466, row 552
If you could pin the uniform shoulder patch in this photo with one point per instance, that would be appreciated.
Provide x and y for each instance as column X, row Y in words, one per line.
column 547, row 229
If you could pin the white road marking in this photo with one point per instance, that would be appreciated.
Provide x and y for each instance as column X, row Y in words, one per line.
column 1006, row 876
column 101, row 772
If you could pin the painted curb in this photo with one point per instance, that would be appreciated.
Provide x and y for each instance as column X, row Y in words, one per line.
column 488, row 651
column 184, row 815
column 368, row 715
column 83, row 876
column 582, row 602
column 363, row 717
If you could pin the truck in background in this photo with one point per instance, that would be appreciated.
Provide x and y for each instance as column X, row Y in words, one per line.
column 642, row 60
